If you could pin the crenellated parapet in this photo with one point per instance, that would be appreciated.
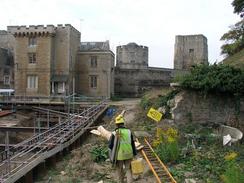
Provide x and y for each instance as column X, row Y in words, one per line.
column 32, row 30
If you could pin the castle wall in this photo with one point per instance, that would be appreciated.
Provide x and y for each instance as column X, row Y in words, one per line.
column 190, row 50
column 133, row 82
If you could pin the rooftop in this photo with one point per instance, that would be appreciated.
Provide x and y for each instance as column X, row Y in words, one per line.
column 95, row 46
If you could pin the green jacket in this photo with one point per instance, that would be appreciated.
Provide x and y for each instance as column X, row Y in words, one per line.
column 124, row 151
column 119, row 151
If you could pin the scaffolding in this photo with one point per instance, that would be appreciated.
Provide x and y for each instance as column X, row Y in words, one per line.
column 17, row 159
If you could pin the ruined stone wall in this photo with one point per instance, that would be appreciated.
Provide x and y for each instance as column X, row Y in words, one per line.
column 132, row 56
column 104, row 72
column 190, row 50
column 190, row 106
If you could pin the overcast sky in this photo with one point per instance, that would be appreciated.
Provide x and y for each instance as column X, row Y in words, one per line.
column 152, row 23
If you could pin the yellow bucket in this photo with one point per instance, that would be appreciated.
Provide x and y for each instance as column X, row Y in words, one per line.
column 137, row 166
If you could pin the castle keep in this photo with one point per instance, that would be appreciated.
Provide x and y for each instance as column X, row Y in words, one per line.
column 51, row 61
column 190, row 50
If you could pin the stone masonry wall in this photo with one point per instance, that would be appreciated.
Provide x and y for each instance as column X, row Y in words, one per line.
column 103, row 71
column 133, row 82
column 41, row 69
column 192, row 106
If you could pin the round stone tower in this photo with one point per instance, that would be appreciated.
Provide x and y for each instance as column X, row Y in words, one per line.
column 132, row 56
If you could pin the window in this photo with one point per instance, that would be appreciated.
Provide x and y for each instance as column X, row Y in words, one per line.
column 133, row 55
column 6, row 71
column 32, row 58
column 61, row 87
column 144, row 54
column 6, row 80
column 32, row 82
column 132, row 61
column 32, row 41
column 93, row 81
column 93, row 61
column 191, row 51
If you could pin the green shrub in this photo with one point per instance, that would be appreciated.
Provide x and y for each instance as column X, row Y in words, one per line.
column 145, row 102
column 99, row 153
column 215, row 78
column 168, row 152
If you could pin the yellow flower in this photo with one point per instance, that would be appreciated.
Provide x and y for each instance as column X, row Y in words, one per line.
column 171, row 139
column 230, row 156
column 172, row 133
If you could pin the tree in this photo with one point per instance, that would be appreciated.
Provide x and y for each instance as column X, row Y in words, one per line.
column 238, row 7
column 234, row 39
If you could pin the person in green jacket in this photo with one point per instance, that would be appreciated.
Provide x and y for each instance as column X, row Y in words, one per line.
column 122, row 148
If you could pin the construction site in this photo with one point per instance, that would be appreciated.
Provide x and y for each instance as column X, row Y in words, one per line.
column 44, row 140
column 78, row 111
column 35, row 132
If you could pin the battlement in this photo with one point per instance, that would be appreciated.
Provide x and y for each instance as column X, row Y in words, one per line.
column 67, row 26
column 37, row 30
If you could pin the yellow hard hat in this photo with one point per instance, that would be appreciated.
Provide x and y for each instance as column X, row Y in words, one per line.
column 119, row 119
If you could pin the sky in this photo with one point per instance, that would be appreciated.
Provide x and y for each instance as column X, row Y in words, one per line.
column 152, row 23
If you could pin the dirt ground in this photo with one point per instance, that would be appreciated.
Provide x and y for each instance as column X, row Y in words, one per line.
column 78, row 166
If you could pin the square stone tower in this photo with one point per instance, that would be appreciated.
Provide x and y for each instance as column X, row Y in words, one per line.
column 190, row 50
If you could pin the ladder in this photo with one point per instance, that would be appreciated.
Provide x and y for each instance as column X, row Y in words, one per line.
column 159, row 170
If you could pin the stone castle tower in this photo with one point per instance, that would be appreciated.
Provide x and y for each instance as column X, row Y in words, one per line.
column 132, row 56
column 190, row 50
column 45, row 59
